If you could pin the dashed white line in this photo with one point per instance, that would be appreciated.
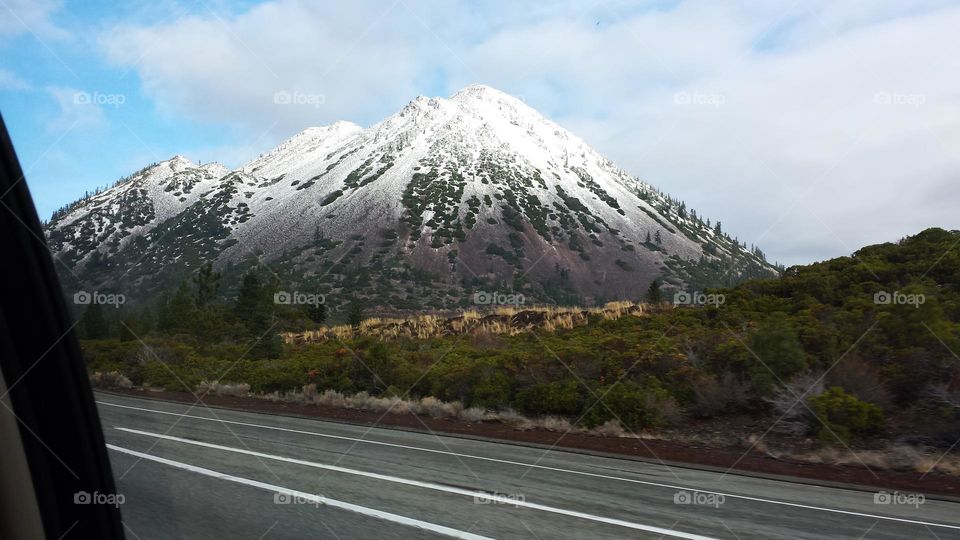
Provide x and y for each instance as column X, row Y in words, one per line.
column 379, row 514
column 430, row 485
column 545, row 467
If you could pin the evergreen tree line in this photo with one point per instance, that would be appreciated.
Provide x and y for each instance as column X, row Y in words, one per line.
column 198, row 313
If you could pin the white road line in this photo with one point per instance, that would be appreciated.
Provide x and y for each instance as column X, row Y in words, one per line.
column 545, row 467
column 429, row 485
column 387, row 516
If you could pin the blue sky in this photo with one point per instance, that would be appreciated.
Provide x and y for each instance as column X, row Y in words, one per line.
column 810, row 128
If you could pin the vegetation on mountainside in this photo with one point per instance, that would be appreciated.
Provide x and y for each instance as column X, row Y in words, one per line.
column 854, row 348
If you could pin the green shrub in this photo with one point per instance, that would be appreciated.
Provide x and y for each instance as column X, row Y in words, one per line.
column 155, row 373
column 550, row 398
column 492, row 392
column 841, row 415
column 779, row 353
column 268, row 377
column 634, row 406
column 111, row 352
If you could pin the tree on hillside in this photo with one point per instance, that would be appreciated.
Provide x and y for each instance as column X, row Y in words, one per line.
column 657, row 238
column 355, row 313
column 134, row 326
column 179, row 314
column 317, row 313
column 248, row 306
column 210, row 322
column 94, row 323
column 206, row 283
column 654, row 294
column 779, row 351
column 254, row 311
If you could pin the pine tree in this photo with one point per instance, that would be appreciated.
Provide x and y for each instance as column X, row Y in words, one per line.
column 717, row 229
column 317, row 313
column 133, row 326
column 654, row 294
column 164, row 322
column 248, row 303
column 779, row 350
column 207, row 283
column 180, row 316
column 657, row 238
column 94, row 323
column 355, row 313
column 648, row 241
column 254, row 310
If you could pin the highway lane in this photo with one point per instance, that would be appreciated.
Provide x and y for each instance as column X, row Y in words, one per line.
column 214, row 473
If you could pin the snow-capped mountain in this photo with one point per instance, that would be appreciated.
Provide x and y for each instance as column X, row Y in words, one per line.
column 442, row 199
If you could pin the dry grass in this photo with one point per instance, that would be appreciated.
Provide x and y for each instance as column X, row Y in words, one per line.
column 435, row 408
column 896, row 457
column 110, row 379
column 795, row 419
column 500, row 321
column 223, row 389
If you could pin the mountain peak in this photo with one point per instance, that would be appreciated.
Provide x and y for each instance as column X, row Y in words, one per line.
column 179, row 159
column 483, row 93
column 479, row 180
column 479, row 91
column 178, row 163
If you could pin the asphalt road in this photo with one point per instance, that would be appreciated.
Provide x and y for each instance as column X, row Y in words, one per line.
column 212, row 473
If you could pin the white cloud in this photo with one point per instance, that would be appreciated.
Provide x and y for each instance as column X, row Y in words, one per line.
column 30, row 16
column 216, row 68
column 10, row 81
column 76, row 109
column 803, row 91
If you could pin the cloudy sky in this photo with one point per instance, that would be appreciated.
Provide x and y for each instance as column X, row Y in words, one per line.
column 808, row 127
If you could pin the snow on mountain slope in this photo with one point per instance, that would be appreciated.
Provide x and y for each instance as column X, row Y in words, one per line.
column 478, row 191
column 302, row 149
column 105, row 222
